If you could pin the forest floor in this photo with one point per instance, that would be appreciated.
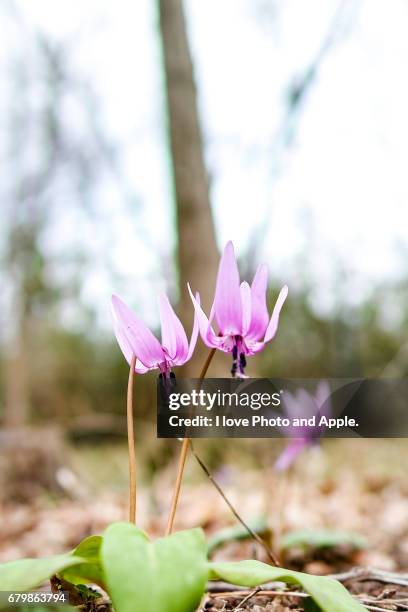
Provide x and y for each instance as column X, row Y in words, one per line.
column 357, row 486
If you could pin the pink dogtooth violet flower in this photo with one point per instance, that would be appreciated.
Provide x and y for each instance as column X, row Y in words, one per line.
column 135, row 338
column 240, row 312
column 303, row 405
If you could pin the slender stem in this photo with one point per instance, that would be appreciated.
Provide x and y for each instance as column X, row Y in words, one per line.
column 247, row 597
column 207, row 364
column 177, row 486
column 284, row 495
column 183, row 456
column 251, row 532
column 131, row 443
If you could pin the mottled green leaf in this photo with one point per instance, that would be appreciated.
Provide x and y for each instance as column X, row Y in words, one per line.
column 167, row 575
column 236, row 533
column 328, row 594
column 322, row 538
column 90, row 571
column 27, row 574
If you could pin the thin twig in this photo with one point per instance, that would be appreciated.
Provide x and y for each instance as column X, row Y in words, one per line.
column 183, row 457
column 367, row 602
column 220, row 586
column 261, row 591
column 250, row 594
column 131, row 443
column 369, row 573
column 251, row 532
column 375, row 608
column 380, row 600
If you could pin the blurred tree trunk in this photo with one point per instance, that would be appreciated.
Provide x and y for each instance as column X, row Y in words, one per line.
column 197, row 250
column 17, row 389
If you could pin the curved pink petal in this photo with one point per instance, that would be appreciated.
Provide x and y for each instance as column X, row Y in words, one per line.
column 194, row 333
column 126, row 347
column 174, row 338
column 246, row 306
column 122, row 340
column 290, row 453
column 273, row 323
column 207, row 333
column 140, row 368
column 139, row 337
column 254, row 347
column 291, row 405
column 323, row 395
column 300, row 405
column 259, row 310
column 307, row 405
column 227, row 301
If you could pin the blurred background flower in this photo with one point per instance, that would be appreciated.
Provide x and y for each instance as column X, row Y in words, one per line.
column 303, row 405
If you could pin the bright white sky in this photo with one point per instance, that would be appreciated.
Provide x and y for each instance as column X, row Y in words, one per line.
column 336, row 199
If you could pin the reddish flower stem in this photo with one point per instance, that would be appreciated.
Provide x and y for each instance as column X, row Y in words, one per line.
column 131, row 443
column 183, row 456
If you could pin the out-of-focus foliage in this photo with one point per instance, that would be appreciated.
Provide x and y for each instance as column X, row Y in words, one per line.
column 351, row 342
column 322, row 538
column 58, row 158
column 328, row 594
column 74, row 374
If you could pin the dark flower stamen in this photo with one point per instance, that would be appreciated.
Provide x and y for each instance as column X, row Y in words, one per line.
column 167, row 382
column 238, row 365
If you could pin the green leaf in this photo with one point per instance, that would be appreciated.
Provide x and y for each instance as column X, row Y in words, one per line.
column 47, row 608
column 322, row 538
column 233, row 534
column 167, row 575
column 32, row 608
column 90, row 571
column 328, row 594
column 89, row 548
column 27, row 574
column 308, row 604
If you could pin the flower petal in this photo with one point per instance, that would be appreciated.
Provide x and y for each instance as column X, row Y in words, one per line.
column 253, row 347
column 323, row 398
column 206, row 331
column 259, row 310
column 122, row 340
column 273, row 323
column 138, row 337
column 194, row 333
column 174, row 338
column 289, row 454
column 291, row 406
column 228, row 308
column 140, row 368
column 126, row 347
column 246, row 306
